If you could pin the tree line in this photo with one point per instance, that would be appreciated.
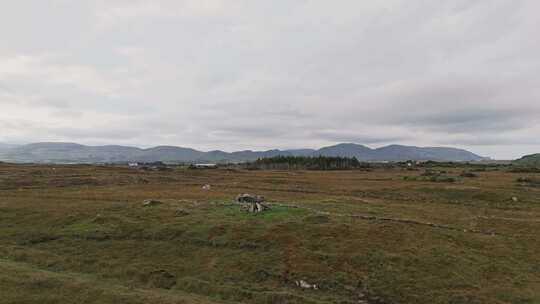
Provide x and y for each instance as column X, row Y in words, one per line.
column 306, row 163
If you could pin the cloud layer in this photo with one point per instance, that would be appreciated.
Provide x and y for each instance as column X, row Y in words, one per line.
column 272, row 74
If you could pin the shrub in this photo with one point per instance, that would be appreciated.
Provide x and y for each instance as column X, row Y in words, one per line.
column 525, row 170
column 528, row 180
column 443, row 179
column 468, row 174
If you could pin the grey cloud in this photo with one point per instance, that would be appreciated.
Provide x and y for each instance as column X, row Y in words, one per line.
column 339, row 136
column 272, row 74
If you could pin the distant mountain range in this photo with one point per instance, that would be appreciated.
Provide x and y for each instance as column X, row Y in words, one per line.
column 76, row 153
column 6, row 146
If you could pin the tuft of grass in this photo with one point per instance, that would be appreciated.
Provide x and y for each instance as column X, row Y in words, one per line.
column 88, row 229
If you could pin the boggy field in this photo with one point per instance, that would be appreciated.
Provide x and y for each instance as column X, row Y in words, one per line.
column 80, row 234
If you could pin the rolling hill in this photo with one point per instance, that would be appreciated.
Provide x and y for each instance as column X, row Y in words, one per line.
column 529, row 160
column 4, row 147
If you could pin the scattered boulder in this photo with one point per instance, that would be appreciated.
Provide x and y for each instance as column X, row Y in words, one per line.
column 207, row 187
column 180, row 212
column 515, row 199
column 151, row 202
column 305, row 285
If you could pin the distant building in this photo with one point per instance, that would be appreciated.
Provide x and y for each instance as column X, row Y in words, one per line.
column 133, row 165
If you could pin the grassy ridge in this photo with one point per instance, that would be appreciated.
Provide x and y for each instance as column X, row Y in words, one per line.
column 355, row 234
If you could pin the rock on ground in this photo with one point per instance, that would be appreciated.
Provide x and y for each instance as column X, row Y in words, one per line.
column 151, row 202
column 249, row 198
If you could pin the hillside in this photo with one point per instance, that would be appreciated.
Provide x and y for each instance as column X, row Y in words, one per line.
column 529, row 160
column 6, row 147
column 398, row 152
column 76, row 153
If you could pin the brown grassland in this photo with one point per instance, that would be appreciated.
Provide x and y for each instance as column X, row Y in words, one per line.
column 80, row 234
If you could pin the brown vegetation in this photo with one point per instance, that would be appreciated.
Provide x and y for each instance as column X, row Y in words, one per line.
column 357, row 236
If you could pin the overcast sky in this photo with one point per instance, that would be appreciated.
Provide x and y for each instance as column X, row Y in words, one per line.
column 253, row 74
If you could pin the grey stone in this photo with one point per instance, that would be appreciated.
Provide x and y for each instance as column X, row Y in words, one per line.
column 151, row 202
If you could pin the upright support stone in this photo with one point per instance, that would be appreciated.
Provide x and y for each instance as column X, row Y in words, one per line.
column 252, row 203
